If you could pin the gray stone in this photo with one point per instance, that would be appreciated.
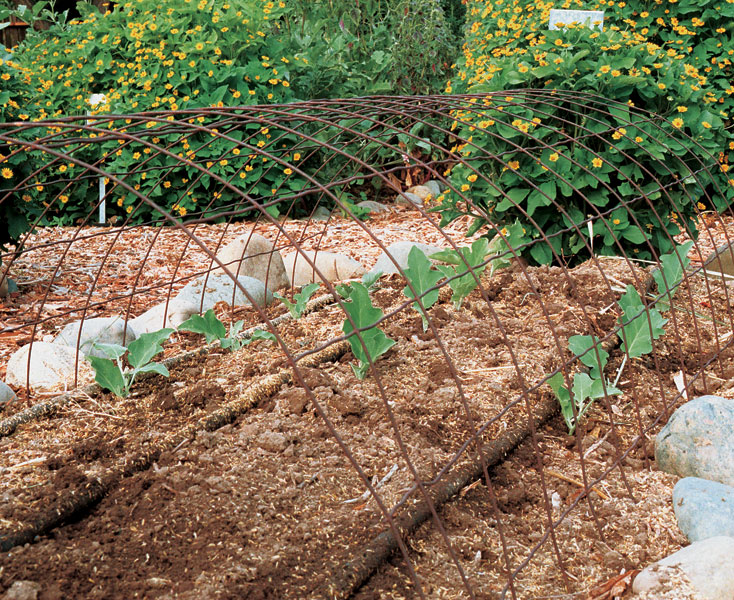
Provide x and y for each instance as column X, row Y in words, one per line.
column 434, row 187
column 373, row 207
column 23, row 590
column 52, row 367
column 6, row 393
column 408, row 199
column 332, row 266
column 423, row 192
column 696, row 442
column 321, row 214
column 707, row 566
column 720, row 261
column 106, row 330
column 704, row 508
column 399, row 252
column 253, row 255
column 152, row 319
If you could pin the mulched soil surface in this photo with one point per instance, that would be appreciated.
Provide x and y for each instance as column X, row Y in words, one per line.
column 272, row 507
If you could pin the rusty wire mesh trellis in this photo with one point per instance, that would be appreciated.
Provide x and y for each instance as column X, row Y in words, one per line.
column 216, row 173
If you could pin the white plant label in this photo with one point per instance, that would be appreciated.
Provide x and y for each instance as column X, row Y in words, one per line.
column 590, row 18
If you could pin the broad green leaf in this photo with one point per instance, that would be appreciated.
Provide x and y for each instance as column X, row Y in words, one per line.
column 208, row 325
column 583, row 347
column 143, row 349
column 637, row 326
column 564, row 398
column 109, row 376
column 374, row 342
column 422, row 277
column 672, row 268
column 154, row 368
column 301, row 299
column 113, row 351
column 370, row 279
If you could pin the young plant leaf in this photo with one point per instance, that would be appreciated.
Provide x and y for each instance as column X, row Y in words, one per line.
column 143, row 349
column 671, row 272
column 462, row 281
column 564, row 398
column 422, row 277
column 374, row 342
column 113, row 351
column 583, row 346
column 370, row 279
column 260, row 334
column 637, row 326
column 208, row 325
column 153, row 368
column 296, row 308
column 109, row 376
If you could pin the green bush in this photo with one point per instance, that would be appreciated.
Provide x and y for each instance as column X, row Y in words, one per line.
column 181, row 55
column 595, row 156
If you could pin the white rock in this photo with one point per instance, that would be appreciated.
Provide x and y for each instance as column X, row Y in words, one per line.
column 708, row 565
column 219, row 288
column 331, row 265
column 52, row 367
column 408, row 199
column 436, row 187
column 22, row 590
column 152, row 319
column 399, row 252
column 321, row 214
column 106, row 330
column 256, row 258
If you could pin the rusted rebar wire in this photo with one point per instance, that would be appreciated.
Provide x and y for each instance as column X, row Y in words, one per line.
column 49, row 407
column 82, row 498
column 345, row 579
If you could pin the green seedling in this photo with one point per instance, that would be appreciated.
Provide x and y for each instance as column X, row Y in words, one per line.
column 213, row 329
column 639, row 325
column 513, row 236
column 297, row 307
column 374, row 342
column 369, row 280
column 461, row 280
column 109, row 372
column 422, row 277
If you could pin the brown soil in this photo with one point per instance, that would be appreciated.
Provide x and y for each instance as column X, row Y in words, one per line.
column 272, row 507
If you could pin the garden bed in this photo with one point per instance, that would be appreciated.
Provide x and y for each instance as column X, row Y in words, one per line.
column 270, row 506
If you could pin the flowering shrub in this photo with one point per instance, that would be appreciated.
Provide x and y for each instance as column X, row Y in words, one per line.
column 178, row 55
column 594, row 156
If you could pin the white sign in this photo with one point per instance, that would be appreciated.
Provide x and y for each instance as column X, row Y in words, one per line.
column 590, row 18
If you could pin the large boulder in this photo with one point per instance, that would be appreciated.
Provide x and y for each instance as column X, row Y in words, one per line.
column 704, row 508
column 399, row 252
column 332, row 266
column 697, row 442
column 252, row 255
column 705, row 568
column 52, row 367
column 105, row 330
column 197, row 298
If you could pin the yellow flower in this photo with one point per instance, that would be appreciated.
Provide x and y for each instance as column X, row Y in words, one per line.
column 465, row 187
column 678, row 123
column 553, row 157
column 472, row 177
column 682, row 109
column 7, row 173
column 616, row 221
column 661, row 86
column 597, row 162
column 605, row 68
column 129, row 209
column 62, row 168
column 514, row 165
column 706, row 124
column 296, row 156
column 64, row 198
column 288, row 171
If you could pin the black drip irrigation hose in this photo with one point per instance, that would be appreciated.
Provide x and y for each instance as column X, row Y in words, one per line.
column 82, row 498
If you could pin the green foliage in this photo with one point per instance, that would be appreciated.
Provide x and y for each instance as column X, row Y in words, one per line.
column 461, row 280
column 297, row 307
column 673, row 59
column 110, row 373
column 422, row 278
column 374, row 342
column 639, row 327
column 213, row 329
column 369, row 280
